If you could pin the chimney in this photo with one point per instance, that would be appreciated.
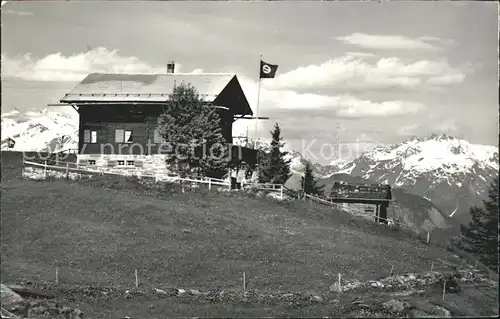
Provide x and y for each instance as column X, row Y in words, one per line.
column 170, row 67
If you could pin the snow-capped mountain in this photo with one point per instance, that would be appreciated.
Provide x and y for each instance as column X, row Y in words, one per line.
column 298, row 163
column 39, row 131
column 453, row 173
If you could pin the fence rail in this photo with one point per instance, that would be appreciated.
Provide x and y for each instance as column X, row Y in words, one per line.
column 266, row 187
column 262, row 186
column 202, row 180
column 68, row 151
column 330, row 203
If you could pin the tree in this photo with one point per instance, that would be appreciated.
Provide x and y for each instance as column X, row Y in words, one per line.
column 274, row 168
column 191, row 130
column 480, row 237
column 310, row 184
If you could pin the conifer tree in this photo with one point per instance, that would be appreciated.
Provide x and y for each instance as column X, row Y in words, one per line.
column 310, row 184
column 480, row 237
column 190, row 128
column 274, row 168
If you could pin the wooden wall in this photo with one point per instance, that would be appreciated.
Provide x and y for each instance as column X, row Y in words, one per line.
column 142, row 120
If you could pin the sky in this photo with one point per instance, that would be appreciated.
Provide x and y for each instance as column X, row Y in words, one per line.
column 365, row 73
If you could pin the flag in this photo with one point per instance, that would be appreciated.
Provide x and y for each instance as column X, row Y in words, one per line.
column 267, row 71
column 11, row 143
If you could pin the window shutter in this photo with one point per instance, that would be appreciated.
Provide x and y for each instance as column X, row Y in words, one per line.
column 86, row 136
column 112, row 163
column 83, row 162
column 93, row 137
column 119, row 136
column 157, row 137
column 128, row 136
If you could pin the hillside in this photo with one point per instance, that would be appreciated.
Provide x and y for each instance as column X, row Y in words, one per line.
column 111, row 233
column 98, row 233
column 452, row 173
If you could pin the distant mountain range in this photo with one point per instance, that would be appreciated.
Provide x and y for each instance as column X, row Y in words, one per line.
column 39, row 131
column 451, row 173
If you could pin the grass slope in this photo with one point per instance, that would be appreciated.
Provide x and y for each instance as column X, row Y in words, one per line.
column 200, row 241
column 99, row 236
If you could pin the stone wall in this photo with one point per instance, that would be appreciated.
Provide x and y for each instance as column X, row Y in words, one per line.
column 142, row 164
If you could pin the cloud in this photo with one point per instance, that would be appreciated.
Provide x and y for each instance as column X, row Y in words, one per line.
column 447, row 126
column 345, row 106
column 438, row 126
column 446, row 79
column 57, row 67
column 409, row 130
column 427, row 38
column 16, row 12
column 357, row 73
column 391, row 42
column 362, row 55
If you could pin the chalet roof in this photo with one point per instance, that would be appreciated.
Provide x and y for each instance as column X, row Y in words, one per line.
column 109, row 88
column 360, row 191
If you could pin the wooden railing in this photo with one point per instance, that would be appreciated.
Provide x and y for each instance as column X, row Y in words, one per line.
column 332, row 204
column 265, row 187
column 101, row 171
column 209, row 181
column 68, row 151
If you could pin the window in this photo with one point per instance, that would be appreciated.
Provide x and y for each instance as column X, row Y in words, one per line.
column 157, row 137
column 89, row 136
column 123, row 136
column 91, row 162
column 121, row 163
column 128, row 136
column 130, row 163
column 119, row 136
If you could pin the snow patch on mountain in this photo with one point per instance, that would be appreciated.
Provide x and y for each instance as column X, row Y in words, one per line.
column 441, row 168
column 444, row 155
column 39, row 131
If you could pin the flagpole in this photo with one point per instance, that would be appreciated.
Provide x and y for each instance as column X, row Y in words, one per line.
column 258, row 100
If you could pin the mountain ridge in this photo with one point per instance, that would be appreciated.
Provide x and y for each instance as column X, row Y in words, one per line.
column 452, row 173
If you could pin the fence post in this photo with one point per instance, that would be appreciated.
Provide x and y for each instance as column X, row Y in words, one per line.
column 67, row 170
column 428, row 235
column 444, row 287
column 244, row 281
column 45, row 170
column 340, row 284
column 209, row 183
column 281, row 192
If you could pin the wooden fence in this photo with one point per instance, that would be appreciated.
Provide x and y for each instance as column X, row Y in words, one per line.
column 67, row 168
column 265, row 187
column 74, row 168
column 332, row 204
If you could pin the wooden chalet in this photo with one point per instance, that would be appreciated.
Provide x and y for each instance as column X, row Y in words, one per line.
column 118, row 114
